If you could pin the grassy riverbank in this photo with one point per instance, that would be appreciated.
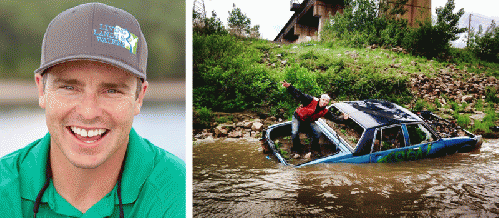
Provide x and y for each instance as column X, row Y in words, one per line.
column 232, row 74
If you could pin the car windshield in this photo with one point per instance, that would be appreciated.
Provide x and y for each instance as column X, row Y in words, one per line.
column 348, row 129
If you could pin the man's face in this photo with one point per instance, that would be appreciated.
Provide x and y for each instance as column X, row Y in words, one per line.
column 323, row 102
column 89, row 107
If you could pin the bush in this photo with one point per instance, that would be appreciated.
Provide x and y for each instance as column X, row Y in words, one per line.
column 203, row 116
column 491, row 95
column 426, row 41
column 227, row 76
column 485, row 45
column 487, row 122
column 463, row 120
column 222, row 119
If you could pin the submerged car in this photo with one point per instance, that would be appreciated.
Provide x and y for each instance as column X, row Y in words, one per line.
column 377, row 131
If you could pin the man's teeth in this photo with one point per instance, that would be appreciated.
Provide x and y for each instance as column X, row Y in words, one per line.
column 87, row 133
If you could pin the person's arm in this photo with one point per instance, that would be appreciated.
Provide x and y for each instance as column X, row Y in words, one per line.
column 297, row 94
column 336, row 118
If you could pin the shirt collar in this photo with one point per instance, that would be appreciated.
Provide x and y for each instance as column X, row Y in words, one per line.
column 138, row 165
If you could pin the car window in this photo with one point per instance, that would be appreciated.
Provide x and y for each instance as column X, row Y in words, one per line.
column 348, row 129
column 419, row 134
column 389, row 138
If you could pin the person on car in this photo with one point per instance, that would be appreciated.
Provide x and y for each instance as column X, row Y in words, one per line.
column 304, row 117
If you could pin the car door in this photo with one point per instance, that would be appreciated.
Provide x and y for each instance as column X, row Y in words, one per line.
column 423, row 142
column 389, row 145
column 419, row 143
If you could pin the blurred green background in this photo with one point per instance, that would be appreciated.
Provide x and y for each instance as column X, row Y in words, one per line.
column 23, row 23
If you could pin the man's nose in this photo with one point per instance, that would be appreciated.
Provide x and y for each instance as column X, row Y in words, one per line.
column 89, row 107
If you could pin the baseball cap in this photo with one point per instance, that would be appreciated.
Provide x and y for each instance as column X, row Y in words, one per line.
column 325, row 96
column 98, row 32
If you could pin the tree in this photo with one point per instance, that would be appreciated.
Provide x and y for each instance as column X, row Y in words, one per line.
column 434, row 40
column 239, row 23
column 448, row 22
column 208, row 26
column 255, row 31
column 485, row 45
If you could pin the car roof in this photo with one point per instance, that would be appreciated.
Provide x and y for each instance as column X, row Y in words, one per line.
column 374, row 113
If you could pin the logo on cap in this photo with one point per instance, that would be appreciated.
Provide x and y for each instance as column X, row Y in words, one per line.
column 116, row 35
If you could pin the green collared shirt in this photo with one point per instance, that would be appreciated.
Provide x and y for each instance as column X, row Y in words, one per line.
column 153, row 184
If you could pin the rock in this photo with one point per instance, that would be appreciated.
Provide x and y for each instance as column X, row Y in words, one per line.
column 235, row 134
column 467, row 98
column 220, row 131
column 248, row 124
column 308, row 155
column 478, row 116
column 284, row 62
column 253, row 134
column 206, row 140
column 491, row 79
column 469, row 109
column 257, row 126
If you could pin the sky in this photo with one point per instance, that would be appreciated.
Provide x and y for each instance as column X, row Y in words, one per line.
column 272, row 15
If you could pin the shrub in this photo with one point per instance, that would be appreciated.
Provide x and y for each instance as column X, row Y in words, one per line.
column 491, row 95
column 463, row 120
column 426, row 41
column 487, row 122
column 485, row 45
column 207, row 26
column 222, row 119
column 204, row 116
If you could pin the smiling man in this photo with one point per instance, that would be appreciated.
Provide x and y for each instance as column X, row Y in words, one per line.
column 91, row 83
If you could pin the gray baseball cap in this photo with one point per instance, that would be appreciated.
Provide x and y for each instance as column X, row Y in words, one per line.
column 97, row 32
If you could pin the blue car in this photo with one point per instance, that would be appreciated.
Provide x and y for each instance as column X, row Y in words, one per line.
column 377, row 131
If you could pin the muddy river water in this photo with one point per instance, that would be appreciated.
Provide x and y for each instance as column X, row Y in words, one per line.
column 235, row 179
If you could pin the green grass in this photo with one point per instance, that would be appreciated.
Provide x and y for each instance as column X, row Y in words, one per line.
column 222, row 119
column 487, row 122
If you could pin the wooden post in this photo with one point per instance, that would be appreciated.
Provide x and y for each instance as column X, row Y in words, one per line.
column 469, row 31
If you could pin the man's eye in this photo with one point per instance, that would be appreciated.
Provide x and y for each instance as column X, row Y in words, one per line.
column 112, row 91
column 69, row 87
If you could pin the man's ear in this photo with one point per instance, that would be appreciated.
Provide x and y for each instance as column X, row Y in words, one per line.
column 39, row 86
column 140, row 98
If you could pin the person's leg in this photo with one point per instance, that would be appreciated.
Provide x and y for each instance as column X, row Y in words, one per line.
column 316, row 133
column 295, row 134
